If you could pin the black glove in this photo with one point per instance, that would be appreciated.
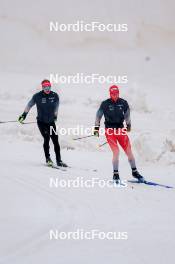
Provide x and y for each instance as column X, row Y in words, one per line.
column 96, row 131
column 128, row 127
column 22, row 117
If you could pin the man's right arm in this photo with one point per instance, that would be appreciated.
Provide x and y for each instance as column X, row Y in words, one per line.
column 27, row 109
column 30, row 104
column 99, row 115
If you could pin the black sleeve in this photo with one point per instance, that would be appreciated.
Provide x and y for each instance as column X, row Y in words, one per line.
column 99, row 115
column 126, row 106
column 127, row 113
column 30, row 104
column 57, row 105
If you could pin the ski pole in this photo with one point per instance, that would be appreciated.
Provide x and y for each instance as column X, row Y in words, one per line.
column 12, row 121
column 106, row 143
column 83, row 137
column 16, row 121
column 27, row 123
column 101, row 145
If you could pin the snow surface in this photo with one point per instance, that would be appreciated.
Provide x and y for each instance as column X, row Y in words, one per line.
column 29, row 207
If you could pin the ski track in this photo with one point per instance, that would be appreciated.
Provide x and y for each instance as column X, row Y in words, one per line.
column 69, row 209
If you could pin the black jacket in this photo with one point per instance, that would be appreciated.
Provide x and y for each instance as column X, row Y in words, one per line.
column 115, row 113
column 47, row 106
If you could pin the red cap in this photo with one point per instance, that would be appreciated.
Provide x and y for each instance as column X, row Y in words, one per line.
column 114, row 92
column 114, row 89
column 46, row 83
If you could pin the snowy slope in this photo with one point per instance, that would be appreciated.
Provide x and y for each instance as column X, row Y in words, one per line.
column 29, row 207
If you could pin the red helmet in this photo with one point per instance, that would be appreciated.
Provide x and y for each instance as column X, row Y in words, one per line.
column 46, row 86
column 114, row 92
column 46, row 83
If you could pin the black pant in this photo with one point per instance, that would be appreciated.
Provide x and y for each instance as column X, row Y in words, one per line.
column 46, row 133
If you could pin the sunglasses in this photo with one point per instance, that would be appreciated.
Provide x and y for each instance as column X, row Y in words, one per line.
column 46, row 88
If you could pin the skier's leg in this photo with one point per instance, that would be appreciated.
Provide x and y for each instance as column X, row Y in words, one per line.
column 126, row 145
column 124, row 142
column 56, row 144
column 112, row 141
column 45, row 132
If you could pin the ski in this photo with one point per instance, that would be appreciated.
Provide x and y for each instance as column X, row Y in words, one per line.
column 151, row 184
column 120, row 184
column 54, row 166
column 82, row 169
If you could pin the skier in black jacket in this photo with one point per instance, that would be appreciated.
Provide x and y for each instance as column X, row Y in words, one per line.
column 47, row 103
column 116, row 110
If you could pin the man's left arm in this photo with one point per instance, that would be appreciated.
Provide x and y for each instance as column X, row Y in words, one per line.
column 127, row 117
column 57, row 103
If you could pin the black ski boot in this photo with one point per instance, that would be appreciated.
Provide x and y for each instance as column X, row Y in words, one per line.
column 116, row 177
column 137, row 175
column 61, row 164
column 49, row 162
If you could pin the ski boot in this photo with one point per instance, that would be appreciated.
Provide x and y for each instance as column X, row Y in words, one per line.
column 137, row 176
column 61, row 164
column 116, row 177
column 49, row 162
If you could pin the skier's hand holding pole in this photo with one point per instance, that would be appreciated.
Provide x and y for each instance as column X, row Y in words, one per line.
column 22, row 117
column 96, row 131
column 128, row 127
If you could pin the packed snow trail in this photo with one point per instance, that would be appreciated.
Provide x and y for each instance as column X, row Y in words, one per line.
column 30, row 209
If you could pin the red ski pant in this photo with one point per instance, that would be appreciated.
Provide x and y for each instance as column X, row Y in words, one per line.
column 115, row 136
